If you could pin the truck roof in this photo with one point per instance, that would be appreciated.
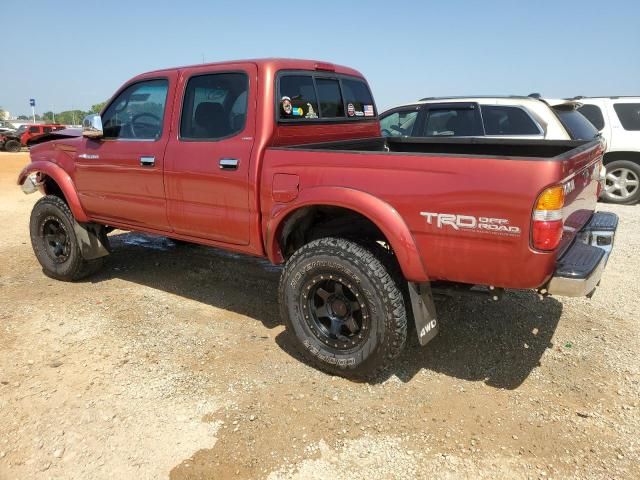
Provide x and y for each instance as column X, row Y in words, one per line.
column 274, row 64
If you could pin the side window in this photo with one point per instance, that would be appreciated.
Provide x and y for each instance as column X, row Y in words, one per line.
column 452, row 122
column 215, row 106
column 47, row 129
column 297, row 97
column 398, row 124
column 593, row 114
column 629, row 115
column 358, row 98
column 34, row 129
column 330, row 97
column 504, row 120
column 137, row 113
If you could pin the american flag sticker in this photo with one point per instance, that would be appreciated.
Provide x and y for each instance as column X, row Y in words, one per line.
column 368, row 110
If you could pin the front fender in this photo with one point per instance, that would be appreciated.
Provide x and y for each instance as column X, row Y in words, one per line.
column 383, row 215
column 63, row 180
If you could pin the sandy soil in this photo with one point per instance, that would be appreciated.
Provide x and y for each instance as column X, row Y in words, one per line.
column 172, row 362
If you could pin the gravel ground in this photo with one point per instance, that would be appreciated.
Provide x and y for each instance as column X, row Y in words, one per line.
column 172, row 362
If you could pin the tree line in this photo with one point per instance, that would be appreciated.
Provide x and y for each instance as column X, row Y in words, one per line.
column 67, row 117
column 71, row 117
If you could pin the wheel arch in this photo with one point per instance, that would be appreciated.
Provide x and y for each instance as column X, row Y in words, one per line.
column 55, row 181
column 362, row 209
column 621, row 155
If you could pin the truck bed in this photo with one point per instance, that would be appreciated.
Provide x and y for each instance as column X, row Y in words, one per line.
column 482, row 178
column 493, row 147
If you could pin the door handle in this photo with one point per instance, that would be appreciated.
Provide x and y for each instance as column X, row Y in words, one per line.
column 229, row 163
column 147, row 161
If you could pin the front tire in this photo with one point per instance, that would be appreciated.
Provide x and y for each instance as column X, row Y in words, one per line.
column 12, row 146
column 343, row 308
column 54, row 241
column 622, row 183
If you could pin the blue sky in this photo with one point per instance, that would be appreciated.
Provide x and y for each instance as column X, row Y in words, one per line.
column 83, row 50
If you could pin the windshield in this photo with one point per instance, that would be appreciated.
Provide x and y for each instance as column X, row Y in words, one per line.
column 576, row 124
column 22, row 129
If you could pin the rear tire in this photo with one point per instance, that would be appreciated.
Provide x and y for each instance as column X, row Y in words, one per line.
column 622, row 183
column 12, row 146
column 54, row 241
column 343, row 308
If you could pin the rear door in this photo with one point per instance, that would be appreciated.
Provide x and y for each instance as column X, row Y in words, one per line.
column 207, row 160
column 456, row 119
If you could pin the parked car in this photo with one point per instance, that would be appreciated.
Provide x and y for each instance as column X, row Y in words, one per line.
column 6, row 127
column 23, row 136
column 283, row 159
column 618, row 120
column 10, row 142
column 488, row 117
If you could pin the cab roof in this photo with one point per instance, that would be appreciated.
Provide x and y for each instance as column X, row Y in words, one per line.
column 274, row 64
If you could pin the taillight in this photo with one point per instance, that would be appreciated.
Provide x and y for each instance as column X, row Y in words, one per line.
column 547, row 219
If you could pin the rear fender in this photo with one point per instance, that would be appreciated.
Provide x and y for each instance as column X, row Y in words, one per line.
column 383, row 215
column 63, row 180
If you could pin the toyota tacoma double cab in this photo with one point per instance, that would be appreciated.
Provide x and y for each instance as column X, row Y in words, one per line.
column 284, row 159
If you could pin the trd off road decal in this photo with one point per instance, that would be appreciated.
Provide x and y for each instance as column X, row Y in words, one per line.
column 495, row 226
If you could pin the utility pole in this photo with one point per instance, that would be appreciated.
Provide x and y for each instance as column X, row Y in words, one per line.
column 32, row 102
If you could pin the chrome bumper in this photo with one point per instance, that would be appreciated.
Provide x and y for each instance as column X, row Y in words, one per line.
column 579, row 269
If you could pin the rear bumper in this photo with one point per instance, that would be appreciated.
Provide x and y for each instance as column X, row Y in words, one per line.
column 579, row 269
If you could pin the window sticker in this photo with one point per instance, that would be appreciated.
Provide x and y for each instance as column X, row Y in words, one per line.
column 368, row 110
column 351, row 111
column 285, row 103
column 311, row 112
column 297, row 112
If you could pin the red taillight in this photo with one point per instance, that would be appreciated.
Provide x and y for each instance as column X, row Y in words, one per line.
column 548, row 224
column 547, row 235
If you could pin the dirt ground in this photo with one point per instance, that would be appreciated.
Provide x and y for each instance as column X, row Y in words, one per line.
column 172, row 362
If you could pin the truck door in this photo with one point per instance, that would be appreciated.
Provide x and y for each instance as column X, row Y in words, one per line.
column 119, row 177
column 207, row 159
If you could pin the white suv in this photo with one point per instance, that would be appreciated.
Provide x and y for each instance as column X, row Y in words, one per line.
column 618, row 120
column 526, row 118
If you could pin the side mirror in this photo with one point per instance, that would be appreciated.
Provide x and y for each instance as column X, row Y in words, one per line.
column 92, row 126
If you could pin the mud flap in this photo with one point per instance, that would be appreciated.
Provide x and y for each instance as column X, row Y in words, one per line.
column 424, row 311
column 92, row 240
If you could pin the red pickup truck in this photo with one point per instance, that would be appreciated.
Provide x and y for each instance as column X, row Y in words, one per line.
column 284, row 159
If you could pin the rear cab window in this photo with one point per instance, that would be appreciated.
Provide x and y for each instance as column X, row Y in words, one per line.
column 323, row 96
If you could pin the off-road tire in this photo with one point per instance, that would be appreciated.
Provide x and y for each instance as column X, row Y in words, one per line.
column 379, row 294
column 12, row 146
column 71, row 266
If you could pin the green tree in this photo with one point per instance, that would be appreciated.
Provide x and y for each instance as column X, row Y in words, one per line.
column 71, row 117
column 97, row 108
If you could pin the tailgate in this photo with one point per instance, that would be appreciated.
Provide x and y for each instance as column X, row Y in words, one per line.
column 582, row 184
